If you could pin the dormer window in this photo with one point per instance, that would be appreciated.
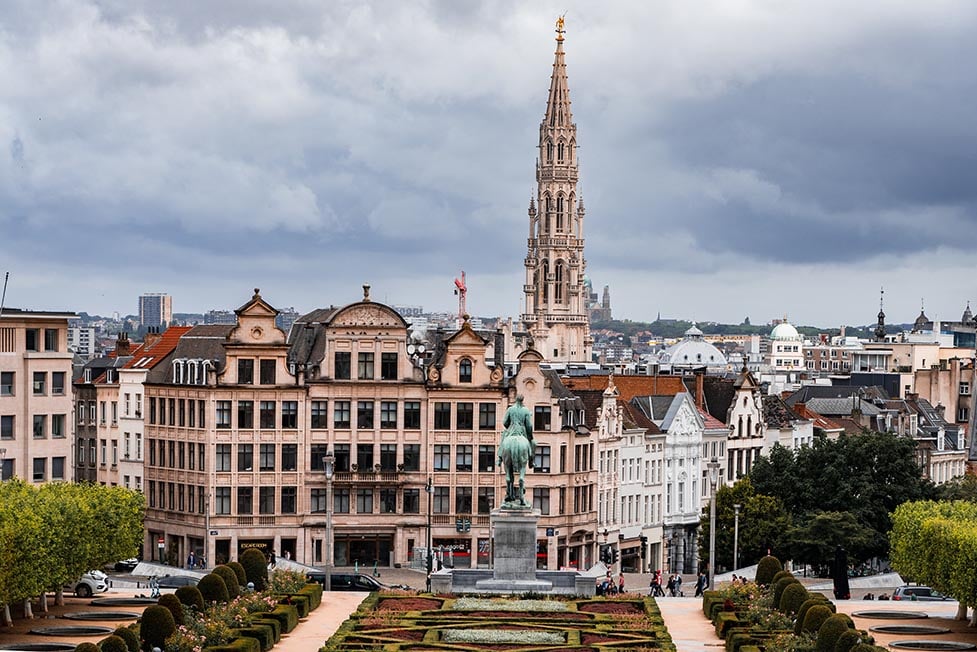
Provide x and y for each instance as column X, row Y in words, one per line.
column 465, row 371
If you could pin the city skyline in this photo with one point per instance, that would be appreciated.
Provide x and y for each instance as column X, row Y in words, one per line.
column 727, row 157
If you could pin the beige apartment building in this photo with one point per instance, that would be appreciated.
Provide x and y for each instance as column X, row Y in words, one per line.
column 239, row 418
column 35, row 395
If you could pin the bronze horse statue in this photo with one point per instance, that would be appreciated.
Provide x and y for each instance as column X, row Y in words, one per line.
column 515, row 452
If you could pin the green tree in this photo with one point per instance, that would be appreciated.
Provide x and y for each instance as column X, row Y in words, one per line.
column 814, row 541
column 962, row 488
column 761, row 522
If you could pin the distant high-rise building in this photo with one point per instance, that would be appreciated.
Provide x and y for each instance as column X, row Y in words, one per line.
column 155, row 309
column 82, row 340
column 285, row 318
column 220, row 317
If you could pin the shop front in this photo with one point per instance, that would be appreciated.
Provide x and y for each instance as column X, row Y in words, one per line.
column 453, row 553
column 363, row 549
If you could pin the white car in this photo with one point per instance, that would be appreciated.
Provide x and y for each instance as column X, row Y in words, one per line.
column 92, row 582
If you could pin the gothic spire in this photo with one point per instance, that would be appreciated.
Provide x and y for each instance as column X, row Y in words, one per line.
column 558, row 105
column 880, row 327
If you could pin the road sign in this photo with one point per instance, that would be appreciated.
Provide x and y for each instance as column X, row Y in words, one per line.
column 213, row 533
column 550, row 532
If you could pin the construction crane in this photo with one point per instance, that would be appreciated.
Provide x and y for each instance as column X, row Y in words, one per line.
column 462, row 291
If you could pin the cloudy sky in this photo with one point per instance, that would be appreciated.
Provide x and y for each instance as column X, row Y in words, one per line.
column 738, row 157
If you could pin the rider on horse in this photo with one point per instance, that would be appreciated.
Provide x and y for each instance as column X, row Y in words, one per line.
column 516, row 451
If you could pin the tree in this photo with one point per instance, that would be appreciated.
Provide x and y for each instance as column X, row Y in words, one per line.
column 814, row 541
column 762, row 519
column 962, row 488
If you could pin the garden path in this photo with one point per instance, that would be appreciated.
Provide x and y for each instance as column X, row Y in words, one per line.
column 690, row 630
column 322, row 623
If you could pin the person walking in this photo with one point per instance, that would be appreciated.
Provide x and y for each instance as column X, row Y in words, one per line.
column 620, row 584
column 700, row 584
column 191, row 560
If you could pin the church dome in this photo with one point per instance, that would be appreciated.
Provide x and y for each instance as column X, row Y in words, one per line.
column 784, row 331
column 693, row 351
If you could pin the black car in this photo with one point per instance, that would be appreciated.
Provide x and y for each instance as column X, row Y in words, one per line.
column 176, row 581
column 352, row 582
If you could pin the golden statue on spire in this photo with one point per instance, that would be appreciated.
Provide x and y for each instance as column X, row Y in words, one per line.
column 559, row 28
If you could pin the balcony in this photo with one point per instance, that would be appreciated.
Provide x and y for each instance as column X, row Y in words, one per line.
column 370, row 477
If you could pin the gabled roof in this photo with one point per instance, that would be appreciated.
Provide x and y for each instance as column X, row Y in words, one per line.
column 808, row 392
column 820, row 421
column 837, row 407
column 711, row 422
column 199, row 343
column 629, row 386
column 776, row 412
column 148, row 354
column 718, row 394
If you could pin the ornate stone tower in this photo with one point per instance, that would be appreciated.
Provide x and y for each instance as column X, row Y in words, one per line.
column 556, row 303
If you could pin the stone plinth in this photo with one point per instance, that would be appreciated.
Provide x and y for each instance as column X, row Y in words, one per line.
column 514, row 558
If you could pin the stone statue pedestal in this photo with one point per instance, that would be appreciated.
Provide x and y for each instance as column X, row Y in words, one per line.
column 514, row 558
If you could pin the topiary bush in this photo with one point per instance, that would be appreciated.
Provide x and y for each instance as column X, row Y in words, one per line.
column 766, row 568
column 867, row 647
column 157, row 623
column 847, row 641
column 793, row 596
column 831, row 629
column 113, row 644
column 242, row 577
column 779, row 586
column 171, row 602
column 813, row 599
column 230, row 580
column 814, row 618
column 781, row 574
column 86, row 647
column 255, row 568
column 213, row 589
column 191, row 597
column 129, row 636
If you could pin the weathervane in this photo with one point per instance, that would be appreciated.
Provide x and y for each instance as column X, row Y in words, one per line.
column 559, row 28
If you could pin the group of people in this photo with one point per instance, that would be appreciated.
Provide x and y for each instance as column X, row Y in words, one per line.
column 193, row 561
column 673, row 585
column 606, row 586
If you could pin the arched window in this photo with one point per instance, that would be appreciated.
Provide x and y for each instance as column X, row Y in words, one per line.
column 560, row 151
column 546, row 281
column 558, row 289
column 547, row 213
column 573, row 147
column 559, row 214
column 465, row 371
column 549, row 151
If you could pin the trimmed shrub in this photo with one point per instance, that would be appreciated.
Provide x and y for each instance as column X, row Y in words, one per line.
column 171, row 602
column 781, row 574
column 813, row 599
column 230, row 580
column 86, row 647
column 780, row 585
column 191, row 597
column 255, row 568
column 766, row 568
column 287, row 615
column 213, row 589
column 314, row 593
column 129, row 636
column 815, row 617
column 726, row 620
column 243, row 644
column 792, row 598
column 831, row 629
column 242, row 577
column 847, row 641
column 157, row 623
column 300, row 602
column 273, row 623
column 260, row 632
column 113, row 644
column 866, row 647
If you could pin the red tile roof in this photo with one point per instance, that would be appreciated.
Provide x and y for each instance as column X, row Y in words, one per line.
column 712, row 423
column 819, row 420
column 147, row 356
column 629, row 386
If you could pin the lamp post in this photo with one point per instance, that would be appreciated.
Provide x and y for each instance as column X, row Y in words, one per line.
column 329, row 469
column 736, row 536
column 713, row 467
column 430, row 559
column 3, row 461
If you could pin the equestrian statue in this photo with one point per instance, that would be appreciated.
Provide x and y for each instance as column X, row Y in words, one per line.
column 516, row 452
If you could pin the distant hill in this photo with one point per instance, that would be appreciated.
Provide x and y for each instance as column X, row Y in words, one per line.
column 673, row 328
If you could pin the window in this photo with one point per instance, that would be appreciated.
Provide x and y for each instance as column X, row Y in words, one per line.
column 412, row 457
column 6, row 383
column 31, row 337
column 290, row 415
column 115, row 412
column 201, row 455
column 364, row 501
column 57, row 383
column 342, row 458
column 245, row 415
column 486, row 499
column 442, row 500
column 388, row 414
column 388, row 366
column 340, row 414
column 465, row 371
column 465, row 416
column 412, row 501
column 486, row 458
column 965, row 389
column 7, row 426
column 40, row 428
column 388, row 457
column 442, row 457
column 245, row 457
column 388, row 501
column 364, row 415
column 266, row 457
column 152, row 411
column 463, row 457
column 442, row 416
column 223, row 415
column 486, row 416
column 541, row 500
column 266, row 372
column 266, row 500
column 364, row 457
column 541, row 460
column 202, row 412
column 412, row 415
column 57, row 468
column 318, row 412
column 463, row 500
column 266, row 415
column 57, row 426
column 541, row 421
column 50, row 339
column 245, row 374
column 342, row 363
column 317, row 501
column 40, row 469
column 340, row 501
column 364, row 369
column 963, row 413
column 245, row 500
column 223, row 461
column 290, row 457
column 40, row 383
column 289, row 495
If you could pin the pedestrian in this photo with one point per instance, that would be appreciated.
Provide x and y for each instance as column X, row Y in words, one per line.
column 288, row 555
column 735, row 579
column 620, row 583
column 678, row 584
column 191, row 560
column 700, row 584
column 671, row 585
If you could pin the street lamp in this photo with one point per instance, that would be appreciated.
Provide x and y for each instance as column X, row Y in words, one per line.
column 3, row 461
column 713, row 467
column 430, row 560
column 736, row 536
column 329, row 468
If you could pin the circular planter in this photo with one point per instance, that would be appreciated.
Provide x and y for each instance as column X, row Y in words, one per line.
column 73, row 630
column 109, row 615
column 890, row 615
column 122, row 602
column 932, row 645
column 37, row 647
column 908, row 629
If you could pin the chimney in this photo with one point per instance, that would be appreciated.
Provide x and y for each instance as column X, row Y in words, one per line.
column 700, row 398
column 122, row 345
column 152, row 337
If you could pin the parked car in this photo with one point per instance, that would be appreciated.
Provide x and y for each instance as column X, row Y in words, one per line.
column 176, row 581
column 92, row 582
column 352, row 582
column 917, row 593
column 126, row 565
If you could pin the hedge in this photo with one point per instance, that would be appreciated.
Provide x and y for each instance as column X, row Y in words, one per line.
column 725, row 620
column 243, row 644
column 287, row 615
column 300, row 602
column 261, row 632
column 314, row 593
column 276, row 626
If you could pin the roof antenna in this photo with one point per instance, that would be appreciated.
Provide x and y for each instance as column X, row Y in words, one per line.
column 3, row 298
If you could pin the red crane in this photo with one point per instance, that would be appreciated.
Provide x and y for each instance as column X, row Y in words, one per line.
column 462, row 291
